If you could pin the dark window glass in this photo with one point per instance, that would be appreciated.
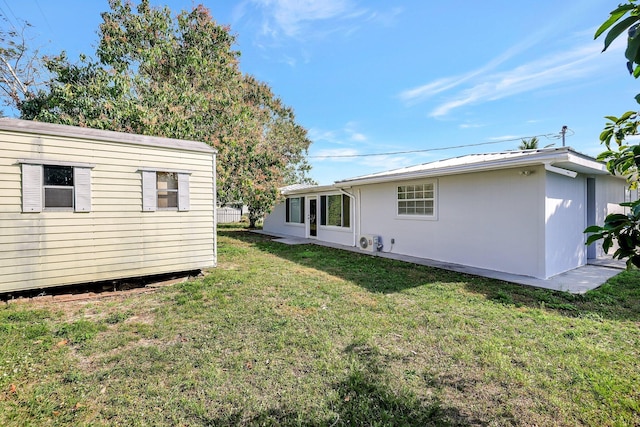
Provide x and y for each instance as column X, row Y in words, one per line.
column 58, row 186
column 58, row 175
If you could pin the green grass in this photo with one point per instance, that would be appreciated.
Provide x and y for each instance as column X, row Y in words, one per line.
column 308, row 335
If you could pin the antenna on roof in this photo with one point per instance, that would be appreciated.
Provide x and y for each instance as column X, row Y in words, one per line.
column 563, row 132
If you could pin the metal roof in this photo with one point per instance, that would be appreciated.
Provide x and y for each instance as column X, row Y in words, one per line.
column 564, row 158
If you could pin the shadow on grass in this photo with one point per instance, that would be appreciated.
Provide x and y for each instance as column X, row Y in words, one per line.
column 365, row 398
column 618, row 299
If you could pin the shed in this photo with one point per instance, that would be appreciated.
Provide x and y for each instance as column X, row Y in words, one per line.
column 517, row 212
column 81, row 205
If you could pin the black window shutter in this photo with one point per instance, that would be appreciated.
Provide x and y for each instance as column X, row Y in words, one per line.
column 323, row 210
column 302, row 210
column 346, row 211
column 287, row 210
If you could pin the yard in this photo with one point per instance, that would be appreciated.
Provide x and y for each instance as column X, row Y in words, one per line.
column 308, row 335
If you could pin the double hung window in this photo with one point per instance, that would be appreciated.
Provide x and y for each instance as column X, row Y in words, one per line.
column 165, row 190
column 55, row 186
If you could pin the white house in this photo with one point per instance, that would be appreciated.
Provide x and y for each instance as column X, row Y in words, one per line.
column 518, row 212
column 81, row 205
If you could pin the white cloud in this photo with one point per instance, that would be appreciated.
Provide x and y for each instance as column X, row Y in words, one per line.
column 470, row 125
column 487, row 83
column 425, row 91
column 551, row 70
column 322, row 135
column 335, row 154
column 358, row 137
column 290, row 16
column 505, row 137
column 387, row 162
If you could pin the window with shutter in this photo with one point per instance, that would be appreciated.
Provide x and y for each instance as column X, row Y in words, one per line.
column 165, row 190
column 51, row 185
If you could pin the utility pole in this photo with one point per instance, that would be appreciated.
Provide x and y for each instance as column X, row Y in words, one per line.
column 563, row 132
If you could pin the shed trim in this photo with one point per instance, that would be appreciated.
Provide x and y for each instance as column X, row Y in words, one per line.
column 158, row 169
column 51, row 129
column 55, row 163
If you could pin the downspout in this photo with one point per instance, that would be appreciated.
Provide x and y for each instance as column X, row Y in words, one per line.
column 353, row 198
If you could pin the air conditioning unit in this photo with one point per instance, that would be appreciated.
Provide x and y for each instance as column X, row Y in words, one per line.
column 370, row 243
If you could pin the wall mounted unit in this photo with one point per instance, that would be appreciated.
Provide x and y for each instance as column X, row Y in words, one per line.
column 369, row 243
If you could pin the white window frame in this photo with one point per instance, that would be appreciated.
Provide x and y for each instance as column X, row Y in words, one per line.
column 150, row 190
column 33, row 187
column 68, row 188
column 416, row 193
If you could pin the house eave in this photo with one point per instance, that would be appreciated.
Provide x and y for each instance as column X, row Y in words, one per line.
column 307, row 190
column 563, row 159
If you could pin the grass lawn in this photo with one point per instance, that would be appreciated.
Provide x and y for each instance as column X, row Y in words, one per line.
column 308, row 335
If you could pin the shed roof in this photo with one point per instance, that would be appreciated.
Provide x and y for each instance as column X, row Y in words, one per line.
column 42, row 128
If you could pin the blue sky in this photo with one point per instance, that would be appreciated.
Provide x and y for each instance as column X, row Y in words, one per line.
column 370, row 77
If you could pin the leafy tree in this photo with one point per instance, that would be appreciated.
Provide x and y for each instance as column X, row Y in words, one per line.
column 179, row 78
column 622, row 156
column 530, row 144
column 19, row 67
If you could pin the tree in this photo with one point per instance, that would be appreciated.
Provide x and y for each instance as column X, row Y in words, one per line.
column 19, row 67
column 530, row 144
column 622, row 157
column 179, row 78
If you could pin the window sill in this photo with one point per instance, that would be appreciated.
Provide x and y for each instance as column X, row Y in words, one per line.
column 335, row 228
column 416, row 218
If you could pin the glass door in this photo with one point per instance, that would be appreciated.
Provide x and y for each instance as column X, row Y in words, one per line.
column 313, row 217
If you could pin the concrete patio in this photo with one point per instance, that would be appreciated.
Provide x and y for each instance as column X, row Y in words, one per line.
column 577, row 281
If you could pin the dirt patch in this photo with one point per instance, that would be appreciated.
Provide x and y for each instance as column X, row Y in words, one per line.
column 93, row 290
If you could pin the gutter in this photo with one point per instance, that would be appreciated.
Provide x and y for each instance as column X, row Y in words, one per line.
column 560, row 171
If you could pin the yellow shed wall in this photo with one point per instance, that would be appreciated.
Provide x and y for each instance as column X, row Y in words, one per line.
column 116, row 239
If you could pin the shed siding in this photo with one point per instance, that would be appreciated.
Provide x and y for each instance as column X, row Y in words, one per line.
column 115, row 239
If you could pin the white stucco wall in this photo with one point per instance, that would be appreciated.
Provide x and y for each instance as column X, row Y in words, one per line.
column 505, row 220
column 276, row 223
column 565, row 217
column 491, row 220
column 610, row 192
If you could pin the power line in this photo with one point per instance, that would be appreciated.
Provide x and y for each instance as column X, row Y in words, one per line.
column 547, row 135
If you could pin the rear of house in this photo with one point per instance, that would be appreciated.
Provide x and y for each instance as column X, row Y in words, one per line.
column 519, row 212
column 82, row 205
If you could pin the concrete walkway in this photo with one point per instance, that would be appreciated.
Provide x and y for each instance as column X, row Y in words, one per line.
column 577, row 281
